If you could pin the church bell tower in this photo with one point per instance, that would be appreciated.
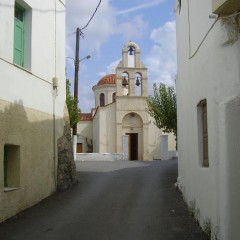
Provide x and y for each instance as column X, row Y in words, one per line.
column 132, row 120
column 131, row 73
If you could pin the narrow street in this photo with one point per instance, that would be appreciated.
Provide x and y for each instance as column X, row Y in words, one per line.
column 113, row 201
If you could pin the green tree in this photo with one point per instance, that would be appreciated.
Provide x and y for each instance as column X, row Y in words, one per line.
column 74, row 114
column 162, row 106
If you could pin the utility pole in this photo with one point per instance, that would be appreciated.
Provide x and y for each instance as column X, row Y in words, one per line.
column 76, row 91
column 76, row 76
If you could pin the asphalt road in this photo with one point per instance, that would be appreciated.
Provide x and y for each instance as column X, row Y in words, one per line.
column 113, row 201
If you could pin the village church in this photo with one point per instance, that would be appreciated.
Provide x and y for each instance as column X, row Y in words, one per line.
column 119, row 123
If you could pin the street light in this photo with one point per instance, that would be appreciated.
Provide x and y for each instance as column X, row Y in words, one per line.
column 87, row 57
column 76, row 61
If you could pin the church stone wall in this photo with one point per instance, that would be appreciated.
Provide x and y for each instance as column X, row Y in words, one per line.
column 104, row 129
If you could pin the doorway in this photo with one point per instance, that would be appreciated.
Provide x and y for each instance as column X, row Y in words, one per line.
column 133, row 146
column 79, row 148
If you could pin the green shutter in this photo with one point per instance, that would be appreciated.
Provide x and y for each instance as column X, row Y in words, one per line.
column 5, row 166
column 18, row 57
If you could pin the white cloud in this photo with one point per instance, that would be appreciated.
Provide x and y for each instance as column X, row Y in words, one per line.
column 104, row 25
column 110, row 68
column 140, row 7
column 161, row 61
column 132, row 29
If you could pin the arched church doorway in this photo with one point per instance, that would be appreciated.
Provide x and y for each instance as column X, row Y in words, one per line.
column 132, row 125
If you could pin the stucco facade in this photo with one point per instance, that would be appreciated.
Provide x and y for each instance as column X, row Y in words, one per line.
column 120, row 110
column 208, row 97
column 32, row 100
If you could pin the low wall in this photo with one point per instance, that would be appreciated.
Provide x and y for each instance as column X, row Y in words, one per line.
column 99, row 157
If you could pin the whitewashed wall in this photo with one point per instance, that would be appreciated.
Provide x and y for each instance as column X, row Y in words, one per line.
column 208, row 68
column 46, row 59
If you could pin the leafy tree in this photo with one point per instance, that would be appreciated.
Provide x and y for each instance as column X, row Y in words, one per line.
column 162, row 106
column 74, row 114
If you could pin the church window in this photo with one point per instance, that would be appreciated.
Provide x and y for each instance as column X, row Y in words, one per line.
column 102, row 100
column 179, row 5
column 114, row 97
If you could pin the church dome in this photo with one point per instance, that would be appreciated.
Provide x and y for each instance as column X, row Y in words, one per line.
column 108, row 79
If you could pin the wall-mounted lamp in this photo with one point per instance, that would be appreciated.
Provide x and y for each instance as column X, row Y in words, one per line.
column 55, row 82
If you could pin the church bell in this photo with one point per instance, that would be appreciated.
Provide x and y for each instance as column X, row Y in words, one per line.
column 137, row 82
column 124, row 82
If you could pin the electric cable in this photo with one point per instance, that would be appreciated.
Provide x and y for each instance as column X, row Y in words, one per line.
column 91, row 17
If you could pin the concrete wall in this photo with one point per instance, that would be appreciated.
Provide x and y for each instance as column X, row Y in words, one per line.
column 31, row 111
column 208, row 68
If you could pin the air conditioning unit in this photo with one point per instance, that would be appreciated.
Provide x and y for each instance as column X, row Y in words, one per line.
column 225, row 7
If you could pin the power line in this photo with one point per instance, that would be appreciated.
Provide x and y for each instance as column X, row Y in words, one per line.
column 92, row 15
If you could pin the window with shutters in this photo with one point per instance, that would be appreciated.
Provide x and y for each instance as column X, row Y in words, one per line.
column 203, row 132
column 19, row 23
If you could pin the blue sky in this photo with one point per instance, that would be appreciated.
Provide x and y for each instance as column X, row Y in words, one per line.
column 151, row 24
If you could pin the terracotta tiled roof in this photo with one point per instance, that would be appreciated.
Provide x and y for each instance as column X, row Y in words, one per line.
column 108, row 79
column 85, row 117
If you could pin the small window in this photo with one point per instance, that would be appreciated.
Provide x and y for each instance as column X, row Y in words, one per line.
column 203, row 132
column 19, row 22
column 114, row 97
column 11, row 167
column 179, row 5
column 102, row 100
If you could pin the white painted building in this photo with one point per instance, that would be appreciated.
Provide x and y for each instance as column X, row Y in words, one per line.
column 208, row 95
column 120, row 113
column 32, row 100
